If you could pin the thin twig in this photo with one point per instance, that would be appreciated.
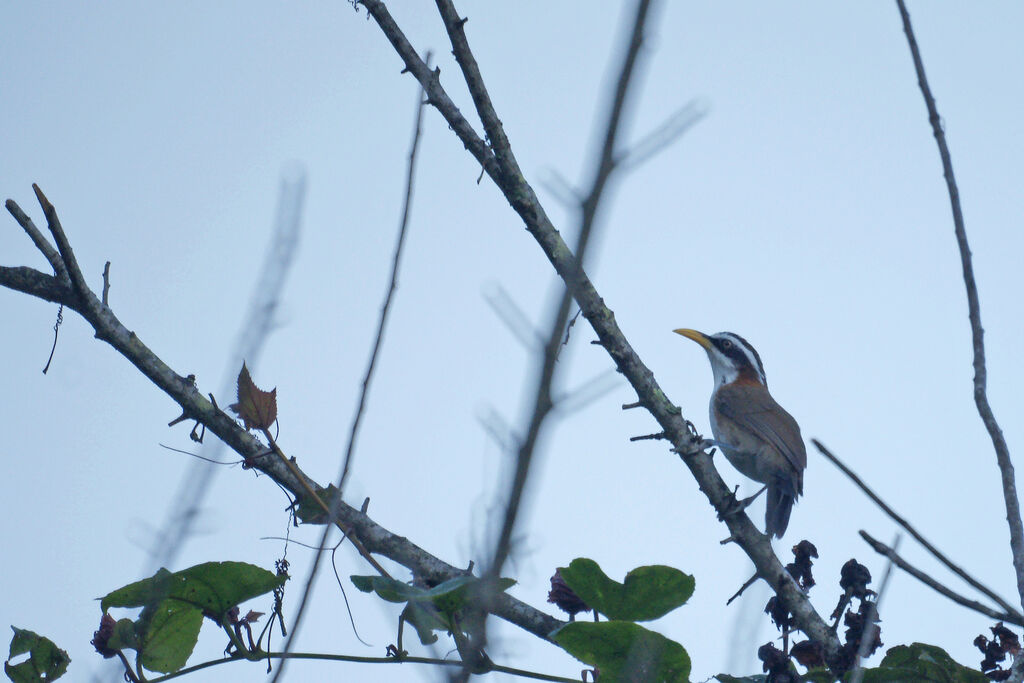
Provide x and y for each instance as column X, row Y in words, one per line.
column 251, row 339
column 392, row 286
column 587, row 393
column 74, row 273
column 561, row 189
column 407, row 659
column 56, row 331
column 367, row 380
column 201, row 457
column 867, row 637
column 1013, row 517
column 312, row 496
column 883, row 549
column 956, row 569
column 106, row 282
column 502, row 303
column 746, row 584
column 662, row 137
column 657, row 436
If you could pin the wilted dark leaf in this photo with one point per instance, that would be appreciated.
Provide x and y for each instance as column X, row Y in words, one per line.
column 257, row 408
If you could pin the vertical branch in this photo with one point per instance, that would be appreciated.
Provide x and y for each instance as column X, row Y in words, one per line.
column 589, row 209
column 335, row 501
column 589, row 206
column 974, row 313
column 252, row 337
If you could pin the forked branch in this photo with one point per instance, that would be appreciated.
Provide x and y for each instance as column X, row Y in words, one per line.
column 520, row 195
column 62, row 288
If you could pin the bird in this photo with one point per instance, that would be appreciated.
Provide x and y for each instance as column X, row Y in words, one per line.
column 757, row 436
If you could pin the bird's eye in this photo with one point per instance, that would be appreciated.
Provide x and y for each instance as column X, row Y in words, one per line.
column 726, row 344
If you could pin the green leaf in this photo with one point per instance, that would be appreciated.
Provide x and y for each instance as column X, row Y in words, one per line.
column 168, row 633
column 213, row 587
column 452, row 595
column 124, row 636
column 174, row 604
column 648, row 592
column 726, row 678
column 920, row 662
column 818, row 675
column 388, row 589
column 428, row 609
column 46, row 661
column 425, row 619
column 448, row 596
column 310, row 512
column 624, row 651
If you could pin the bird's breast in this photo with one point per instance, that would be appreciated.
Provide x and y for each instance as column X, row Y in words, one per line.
column 744, row 450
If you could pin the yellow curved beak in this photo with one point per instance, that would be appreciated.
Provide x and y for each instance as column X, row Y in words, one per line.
column 696, row 336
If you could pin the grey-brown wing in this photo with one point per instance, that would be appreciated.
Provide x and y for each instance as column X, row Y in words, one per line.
column 753, row 407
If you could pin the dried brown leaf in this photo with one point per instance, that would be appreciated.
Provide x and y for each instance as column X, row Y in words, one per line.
column 257, row 408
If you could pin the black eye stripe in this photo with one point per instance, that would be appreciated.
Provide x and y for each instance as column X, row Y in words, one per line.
column 732, row 349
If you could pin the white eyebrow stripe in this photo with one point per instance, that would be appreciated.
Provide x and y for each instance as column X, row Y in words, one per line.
column 748, row 350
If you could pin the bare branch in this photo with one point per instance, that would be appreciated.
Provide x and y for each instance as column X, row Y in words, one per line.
column 367, row 379
column 106, row 283
column 523, row 199
column 590, row 391
column 561, row 189
column 956, row 569
column 37, row 239
column 867, row 638
column 1013, row 517
column 40, row 285
column 67, row 256
column 392, row 286
column 513, row 316
column 883, row 549
column 477, row 90
column 184, row 392
column 662, row 137
column 431, row 83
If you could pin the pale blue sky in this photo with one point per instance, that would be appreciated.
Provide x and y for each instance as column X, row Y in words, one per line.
column 806, row 212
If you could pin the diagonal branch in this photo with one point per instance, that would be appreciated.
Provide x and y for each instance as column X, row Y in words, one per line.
column 430, row 81
column 183, row 390
column 1013, row 517
column 956, row 569
column 477, row 90
column 523, row 199
column 882, row 549
column 67, row 256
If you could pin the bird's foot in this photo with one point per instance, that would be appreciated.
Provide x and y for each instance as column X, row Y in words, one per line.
column 745, row 503
column 736, row 506
column 732, row 507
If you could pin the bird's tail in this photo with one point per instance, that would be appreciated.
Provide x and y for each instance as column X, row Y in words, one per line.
column 780, row 504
